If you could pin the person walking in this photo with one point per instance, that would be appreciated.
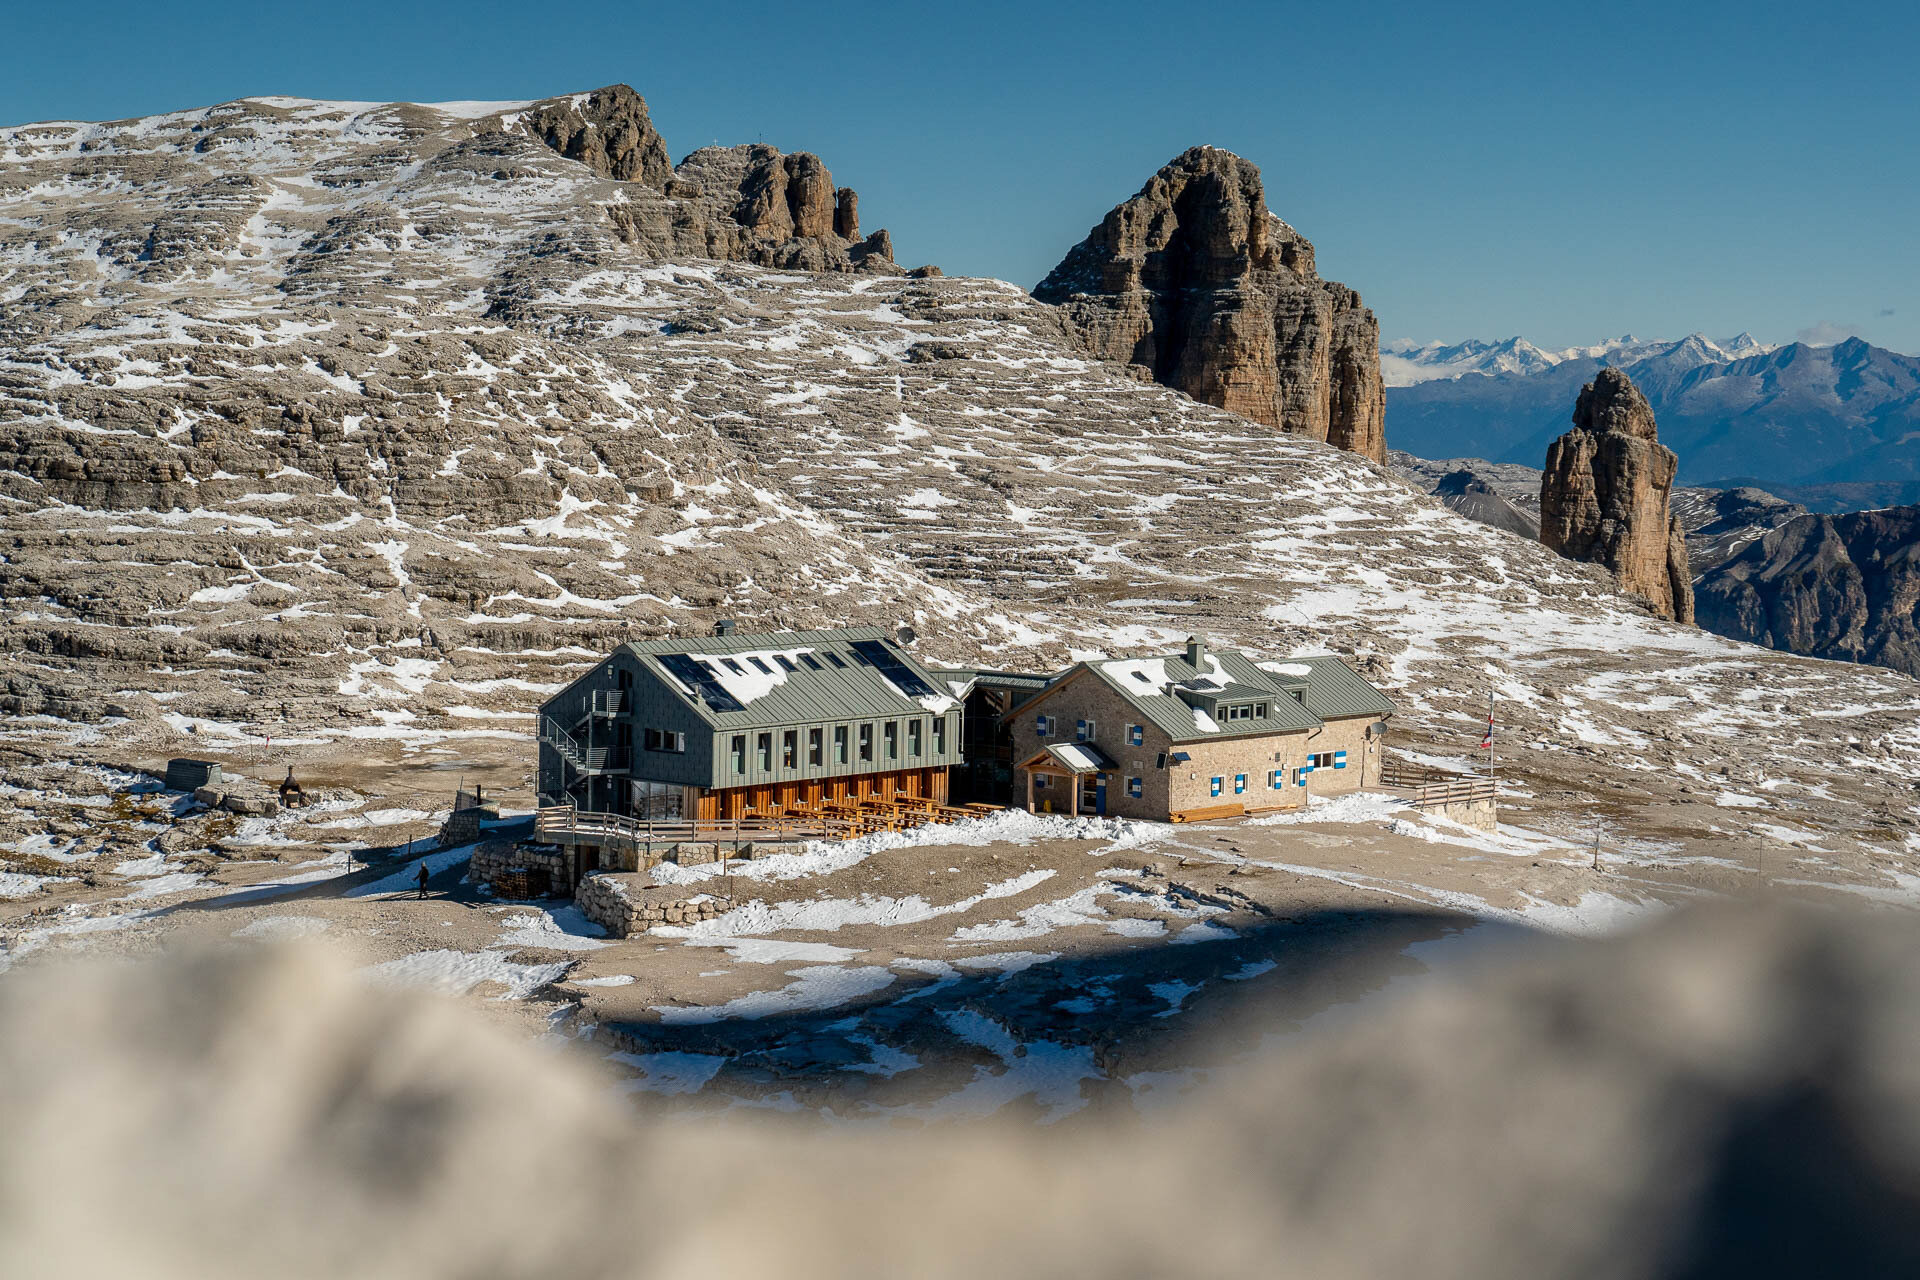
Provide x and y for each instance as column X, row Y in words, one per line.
column 422, row 878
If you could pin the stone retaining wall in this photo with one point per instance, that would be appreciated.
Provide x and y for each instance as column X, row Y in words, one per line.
column 624, row 903
column 495, row 861
column 1482, row 814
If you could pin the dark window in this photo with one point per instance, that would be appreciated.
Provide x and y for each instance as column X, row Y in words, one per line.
column 816, row 749
column 786, row 663
column 760, row 666
column 699, row 677
column 734, row 667
column 876, row 654
column 665, row 740
column 834, row 659
column 739, row 753
column 839, row 744
column 1160, row 761
column 806, row 660
column 893, row 739
column 1134, row 787
column 763, row 747
column 913, row 737
column 940, row 736
column 866, row 742
column 1260, row 711
column 790, row 749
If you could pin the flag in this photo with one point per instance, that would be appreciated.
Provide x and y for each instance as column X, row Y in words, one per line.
column 1486, row 743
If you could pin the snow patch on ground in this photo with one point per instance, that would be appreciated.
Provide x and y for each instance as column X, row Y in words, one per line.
column 283, row 928
column 454, row 973
column 821, row 987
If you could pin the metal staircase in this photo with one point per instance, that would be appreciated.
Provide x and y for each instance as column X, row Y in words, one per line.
column 586, row 761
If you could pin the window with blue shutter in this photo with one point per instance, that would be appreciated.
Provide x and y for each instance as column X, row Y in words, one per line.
column 1275, row 777
column 1136, row 735
column 1339, row 759
column 1239, row 783
column 1217, row 784
column 1133, row 787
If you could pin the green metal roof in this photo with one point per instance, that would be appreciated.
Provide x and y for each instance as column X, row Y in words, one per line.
column 829, row 680
column 1299, row 693
column 1335, row 690
column 968, row 677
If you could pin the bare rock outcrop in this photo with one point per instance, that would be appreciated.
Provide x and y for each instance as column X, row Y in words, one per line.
column 1604, row 496
column 1197, row 285
column 608, row 130
column 737, row 204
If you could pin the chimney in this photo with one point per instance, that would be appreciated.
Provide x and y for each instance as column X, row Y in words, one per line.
column 725, row 627
column 1196, row 652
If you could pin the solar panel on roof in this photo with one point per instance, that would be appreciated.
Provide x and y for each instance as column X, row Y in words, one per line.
column 698, row 678
column 876, row 655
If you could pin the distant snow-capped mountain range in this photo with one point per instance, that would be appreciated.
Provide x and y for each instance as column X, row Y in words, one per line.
column 1405, row 363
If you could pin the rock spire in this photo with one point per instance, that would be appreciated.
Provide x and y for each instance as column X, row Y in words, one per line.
column 1604, row 496
column 1199, row 287
column 740, row 204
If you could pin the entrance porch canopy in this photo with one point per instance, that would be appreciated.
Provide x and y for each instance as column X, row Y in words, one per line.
column 1070, row 758
column 1073, row 760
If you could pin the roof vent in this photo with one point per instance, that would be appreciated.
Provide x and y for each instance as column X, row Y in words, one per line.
column 1196, row 652
column 725, row 627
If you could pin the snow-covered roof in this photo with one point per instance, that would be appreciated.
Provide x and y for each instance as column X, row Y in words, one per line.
column 795, row 677
column 1187, row 701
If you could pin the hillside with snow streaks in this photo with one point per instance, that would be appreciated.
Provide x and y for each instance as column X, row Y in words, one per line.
column 337, row 420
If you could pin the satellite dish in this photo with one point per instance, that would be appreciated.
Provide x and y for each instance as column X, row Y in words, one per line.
column 905, row 634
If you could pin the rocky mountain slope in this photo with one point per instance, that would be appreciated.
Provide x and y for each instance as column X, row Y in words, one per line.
column 1844, row 587
column 1196, row 284
column 1792, row 416
column 363, row 425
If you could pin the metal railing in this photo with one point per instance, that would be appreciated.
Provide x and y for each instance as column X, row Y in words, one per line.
column 583, row 759
column 608, row 702
column 567, row 823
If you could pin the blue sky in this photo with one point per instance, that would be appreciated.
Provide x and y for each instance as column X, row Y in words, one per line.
column 1474, row 170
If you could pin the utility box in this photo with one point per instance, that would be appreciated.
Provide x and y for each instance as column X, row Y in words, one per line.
column 191, row 775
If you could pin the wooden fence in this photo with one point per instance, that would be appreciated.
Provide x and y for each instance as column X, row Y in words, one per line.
column 1425, row 788
column 567, row 824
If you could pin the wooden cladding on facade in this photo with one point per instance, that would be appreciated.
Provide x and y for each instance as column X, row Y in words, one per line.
column 787, row 797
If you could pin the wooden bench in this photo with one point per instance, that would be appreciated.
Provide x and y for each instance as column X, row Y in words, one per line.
column 1207, row 813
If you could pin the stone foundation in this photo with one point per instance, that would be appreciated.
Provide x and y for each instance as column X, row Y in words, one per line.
column 625, row 903
column 693, row 853
column 1483, row 814
column 514, row 870
column 463, row 826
